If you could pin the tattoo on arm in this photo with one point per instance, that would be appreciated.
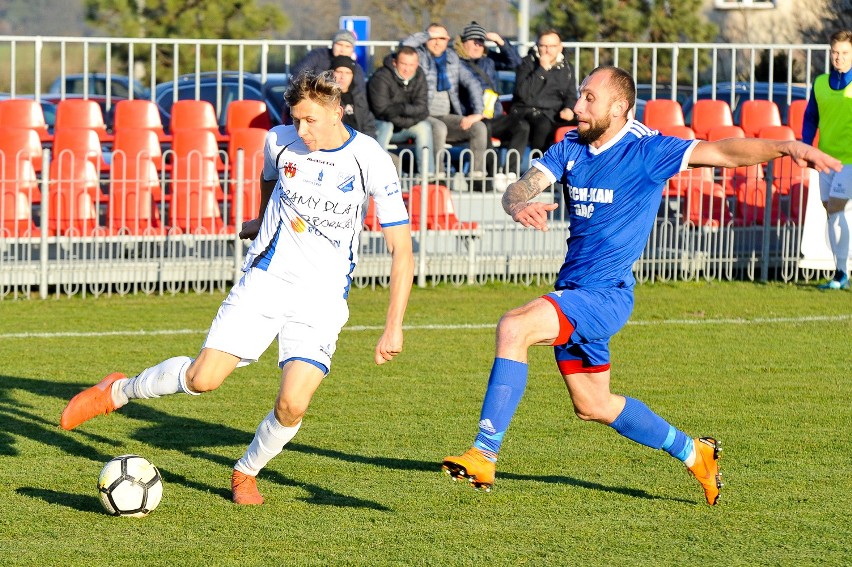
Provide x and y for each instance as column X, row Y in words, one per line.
column 533, row 182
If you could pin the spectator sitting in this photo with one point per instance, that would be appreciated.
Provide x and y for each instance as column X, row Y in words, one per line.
column 545, row 91
column 510, row 129
column 356, row 112
column 445, row 76
column 398, row 97
column 319, row 59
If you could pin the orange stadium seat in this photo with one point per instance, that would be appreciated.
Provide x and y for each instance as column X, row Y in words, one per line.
column 441, row 212
column 74, row 198
column 708, row 114
column 77, row 144
column 134, row 190
column 561, row 131
column 247, row 114
column 662, row 112
column 678, row 131
column 755, row 114
column 23, row 143
column 18, row 187
column 134, row 142
column 251, row 141
column 796, row 117
column 139, row 114
column 81, row 113
column 24, row 113
column 195, row 115
column 195, row 187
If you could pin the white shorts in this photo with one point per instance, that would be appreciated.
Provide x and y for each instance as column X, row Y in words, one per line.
column 262, row 306
column 836, row 184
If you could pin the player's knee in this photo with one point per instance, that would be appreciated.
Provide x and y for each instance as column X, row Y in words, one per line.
column 289, row 412
column 511, row 328
column 200, row 379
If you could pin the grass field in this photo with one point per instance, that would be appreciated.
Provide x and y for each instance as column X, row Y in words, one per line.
column 765, row 368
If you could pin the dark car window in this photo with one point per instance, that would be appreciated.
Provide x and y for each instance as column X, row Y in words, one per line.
column 207, row 92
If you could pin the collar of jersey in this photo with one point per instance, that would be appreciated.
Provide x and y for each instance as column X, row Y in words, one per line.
column 621, row 133
column 346, row 143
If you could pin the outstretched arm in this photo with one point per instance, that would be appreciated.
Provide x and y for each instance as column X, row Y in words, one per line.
column 735, row 152
column 398, row 239
column 516, row 200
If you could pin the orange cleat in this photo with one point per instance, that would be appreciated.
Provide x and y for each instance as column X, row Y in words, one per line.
column 706, row 468
column 89, row 403
column 244, row 488
column 473, row 466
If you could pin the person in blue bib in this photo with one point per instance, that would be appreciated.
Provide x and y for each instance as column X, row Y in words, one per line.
column 830, row 110
column 613, row 170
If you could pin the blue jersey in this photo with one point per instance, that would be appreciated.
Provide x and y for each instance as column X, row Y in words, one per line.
column 613, row 194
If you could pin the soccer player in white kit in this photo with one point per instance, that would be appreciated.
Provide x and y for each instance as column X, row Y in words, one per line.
column 317, row 176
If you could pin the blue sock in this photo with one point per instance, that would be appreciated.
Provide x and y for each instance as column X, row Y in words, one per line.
column 638, row 423
column 506, row 385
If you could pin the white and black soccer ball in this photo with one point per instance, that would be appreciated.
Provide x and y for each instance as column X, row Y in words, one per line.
column 130, row 485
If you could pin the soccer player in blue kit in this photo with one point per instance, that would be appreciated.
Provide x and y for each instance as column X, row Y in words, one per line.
column 316, row 178
column 613, row 170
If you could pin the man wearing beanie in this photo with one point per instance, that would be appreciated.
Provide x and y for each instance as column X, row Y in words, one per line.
column 446, row 77
column 319, row 59
column 356, row 113
column 484, row 64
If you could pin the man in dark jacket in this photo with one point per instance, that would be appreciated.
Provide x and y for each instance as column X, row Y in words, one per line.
column 356, row 112
column 319, row 59
column 399, row 100
column 510, row 129
column 545, row 90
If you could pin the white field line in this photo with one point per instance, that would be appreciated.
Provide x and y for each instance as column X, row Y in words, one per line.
column 355, row 328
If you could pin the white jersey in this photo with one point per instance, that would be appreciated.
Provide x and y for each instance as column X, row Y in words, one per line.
column 314, row 217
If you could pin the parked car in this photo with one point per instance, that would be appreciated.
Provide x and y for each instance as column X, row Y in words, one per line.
column 271, row 91
column 120, row 86
column 743, row 91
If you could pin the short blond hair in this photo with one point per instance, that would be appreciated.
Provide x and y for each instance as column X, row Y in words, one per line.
column 318, row 87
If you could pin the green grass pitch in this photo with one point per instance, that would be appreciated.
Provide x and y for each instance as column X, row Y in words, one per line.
column 765, row 368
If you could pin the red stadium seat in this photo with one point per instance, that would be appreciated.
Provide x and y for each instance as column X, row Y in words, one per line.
column 440, row 210
column 708, row 114
column 134, row 191
column 133, row 142
column 755, row 114
column 722, row 132
column 561, row 131
column 195, row 186
column 796, row 117
column 74, row 198
column 371, row 221
column 24, row 113
column 786, row 174
column 23, row 143
column 195, row 115
column 251, row 141
column 79, row 144
column 247, row 114
column 81, row 113
column 18, row 187
column 682, row 132
column 662, row 112
column 139, row 114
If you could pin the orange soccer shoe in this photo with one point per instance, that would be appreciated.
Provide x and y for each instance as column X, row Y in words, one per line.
column 473, row 466
column 244, row 489
column 89, row 403
column 706, row 467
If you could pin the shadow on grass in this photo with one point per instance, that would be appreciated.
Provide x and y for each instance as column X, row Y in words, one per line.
column 79, row 502
column 161, row 430
column 193, row 436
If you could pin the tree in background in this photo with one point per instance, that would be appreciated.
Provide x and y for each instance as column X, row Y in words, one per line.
column 630, row 21
column 188, row 19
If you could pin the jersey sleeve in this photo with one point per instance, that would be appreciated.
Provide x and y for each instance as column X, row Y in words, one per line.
column 665, row 156
column 554, row 161
column 382, row 184
column 270, row 168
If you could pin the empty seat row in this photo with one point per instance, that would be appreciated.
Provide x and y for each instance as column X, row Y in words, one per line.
column 133, row 114
column 661, row 114
column 136, row 188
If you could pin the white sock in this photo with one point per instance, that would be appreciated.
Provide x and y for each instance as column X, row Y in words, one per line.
column 168, row 377
column 690, row 460
column 838, row 238
column 269, row 440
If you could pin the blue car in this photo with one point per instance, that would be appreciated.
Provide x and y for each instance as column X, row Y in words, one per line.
column 734, row 94
column 120, row 85
column 227, row 85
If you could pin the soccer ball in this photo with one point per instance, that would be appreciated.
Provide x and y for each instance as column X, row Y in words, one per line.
column 130, row 486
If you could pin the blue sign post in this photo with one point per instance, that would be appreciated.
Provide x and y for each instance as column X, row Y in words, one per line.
column 360, row 26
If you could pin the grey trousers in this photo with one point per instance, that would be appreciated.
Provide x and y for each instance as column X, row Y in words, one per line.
column 447, row 129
